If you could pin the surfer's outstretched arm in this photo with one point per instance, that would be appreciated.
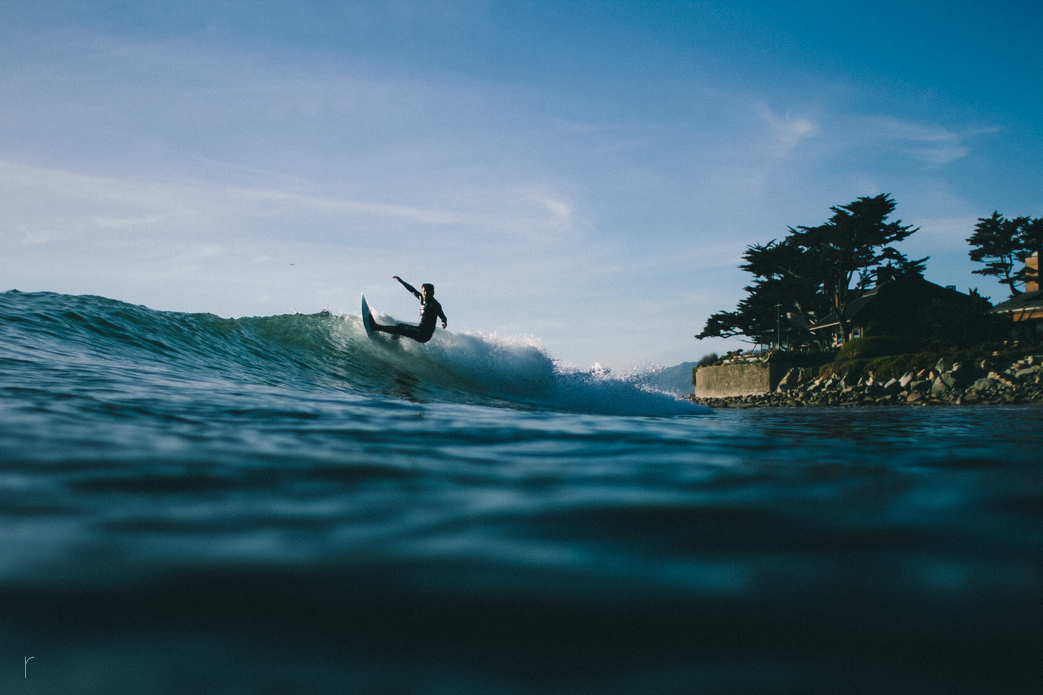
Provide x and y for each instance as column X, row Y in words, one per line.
column 408, row 286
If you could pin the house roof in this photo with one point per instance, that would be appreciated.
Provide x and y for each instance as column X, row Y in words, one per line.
column 1026, row 302
column 855, row 306
column 850, row 310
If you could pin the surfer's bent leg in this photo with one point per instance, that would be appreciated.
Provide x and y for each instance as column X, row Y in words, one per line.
column 415, row 332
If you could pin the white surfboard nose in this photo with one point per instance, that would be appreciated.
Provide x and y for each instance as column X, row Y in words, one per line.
column 367, row 317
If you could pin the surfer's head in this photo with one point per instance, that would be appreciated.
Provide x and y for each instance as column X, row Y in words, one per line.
column 428, row 289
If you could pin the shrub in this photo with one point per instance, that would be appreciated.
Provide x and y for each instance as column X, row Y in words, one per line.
column 894, row 366
column 873, row 346
column 708, row 360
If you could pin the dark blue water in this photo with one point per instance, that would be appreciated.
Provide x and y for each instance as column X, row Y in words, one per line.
column 190, row 504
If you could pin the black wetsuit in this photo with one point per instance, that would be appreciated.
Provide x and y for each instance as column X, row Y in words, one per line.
column 430, row 312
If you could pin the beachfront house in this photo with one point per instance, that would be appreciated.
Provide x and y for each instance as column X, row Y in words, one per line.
column 1024, row 314
column 908, row 306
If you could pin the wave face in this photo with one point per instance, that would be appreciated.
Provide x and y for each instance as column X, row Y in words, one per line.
column 314, row 352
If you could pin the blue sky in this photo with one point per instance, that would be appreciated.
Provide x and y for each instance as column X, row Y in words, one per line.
column 587, row 174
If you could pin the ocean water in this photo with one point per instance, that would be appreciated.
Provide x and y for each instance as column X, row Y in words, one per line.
column 191, row 504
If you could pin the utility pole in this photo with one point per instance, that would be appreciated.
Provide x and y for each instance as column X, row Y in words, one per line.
column 778, row 327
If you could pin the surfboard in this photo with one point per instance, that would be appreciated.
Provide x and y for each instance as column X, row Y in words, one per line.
column 367, row 317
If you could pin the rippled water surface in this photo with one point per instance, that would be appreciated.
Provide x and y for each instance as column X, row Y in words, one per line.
column 191, row 504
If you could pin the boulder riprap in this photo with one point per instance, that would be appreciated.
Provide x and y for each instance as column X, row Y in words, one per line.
column 988, row 382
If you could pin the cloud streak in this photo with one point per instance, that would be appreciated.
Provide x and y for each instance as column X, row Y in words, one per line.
column 928, row 143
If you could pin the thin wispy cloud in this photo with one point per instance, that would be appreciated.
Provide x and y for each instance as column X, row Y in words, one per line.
column 202, row 206
column 786, row 130
column 756, row 144
column 927, row 142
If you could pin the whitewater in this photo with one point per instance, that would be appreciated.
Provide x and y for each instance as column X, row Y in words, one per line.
column 196, row 504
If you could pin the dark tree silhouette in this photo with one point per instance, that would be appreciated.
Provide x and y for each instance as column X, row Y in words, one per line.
column 856, row 239
column 1030, row 234
column 997, row 243
column 812, row 270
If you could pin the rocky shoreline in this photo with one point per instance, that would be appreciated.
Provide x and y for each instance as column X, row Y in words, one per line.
column 986, row 383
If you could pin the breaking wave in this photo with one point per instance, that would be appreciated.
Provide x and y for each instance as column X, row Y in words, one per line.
column 315, row 352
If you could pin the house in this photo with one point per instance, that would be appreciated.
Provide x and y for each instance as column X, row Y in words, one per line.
column 1032, row 266
column 908, row 306
column 1024, row 312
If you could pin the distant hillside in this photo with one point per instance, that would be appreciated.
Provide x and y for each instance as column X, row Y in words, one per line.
column 677, row 379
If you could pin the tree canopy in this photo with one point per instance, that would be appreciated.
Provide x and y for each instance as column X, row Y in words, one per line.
column 1001, row 245
column 995, row 244
column 811, row 271
column 1031, row 235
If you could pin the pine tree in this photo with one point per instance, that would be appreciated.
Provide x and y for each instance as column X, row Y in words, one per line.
column 812, row 270
column 997, row 243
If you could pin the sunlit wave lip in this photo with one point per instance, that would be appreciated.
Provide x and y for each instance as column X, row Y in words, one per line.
column 310, row 352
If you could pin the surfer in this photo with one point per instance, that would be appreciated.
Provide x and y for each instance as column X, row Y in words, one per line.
column 430, row 312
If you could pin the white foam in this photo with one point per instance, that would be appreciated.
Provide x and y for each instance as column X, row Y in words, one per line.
column 519, row 369
column 516, row 369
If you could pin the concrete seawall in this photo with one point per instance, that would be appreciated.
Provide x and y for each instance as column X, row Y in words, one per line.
column 730, row 380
